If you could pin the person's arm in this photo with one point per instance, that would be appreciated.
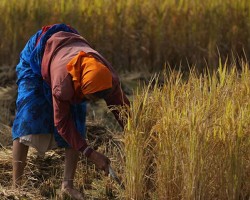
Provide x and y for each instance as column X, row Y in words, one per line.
column 66, row 128
column 62, row 93
column 117, row 98
column 65, row 125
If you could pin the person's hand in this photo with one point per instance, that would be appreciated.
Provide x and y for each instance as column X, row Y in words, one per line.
column 101, row 161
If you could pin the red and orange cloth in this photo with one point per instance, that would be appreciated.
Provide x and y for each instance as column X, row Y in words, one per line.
column 88, row 74
column 70, row 72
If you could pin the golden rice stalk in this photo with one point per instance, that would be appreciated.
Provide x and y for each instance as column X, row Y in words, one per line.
column 190, row 138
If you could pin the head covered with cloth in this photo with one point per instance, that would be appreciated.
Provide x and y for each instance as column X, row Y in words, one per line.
column 89, row 76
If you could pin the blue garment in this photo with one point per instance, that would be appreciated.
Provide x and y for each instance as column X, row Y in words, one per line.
column 34, row 101
column 37, row 53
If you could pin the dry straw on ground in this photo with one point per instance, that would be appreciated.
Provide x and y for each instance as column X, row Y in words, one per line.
column 43, row 175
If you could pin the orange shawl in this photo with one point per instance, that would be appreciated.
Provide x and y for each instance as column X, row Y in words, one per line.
column 88, row 74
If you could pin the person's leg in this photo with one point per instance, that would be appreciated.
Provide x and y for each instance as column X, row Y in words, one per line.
column 19, row 153
column 71, row 156
column 71, row 159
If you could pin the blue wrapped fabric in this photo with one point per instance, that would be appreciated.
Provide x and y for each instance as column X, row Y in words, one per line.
column 34, row 111
column 37, row 53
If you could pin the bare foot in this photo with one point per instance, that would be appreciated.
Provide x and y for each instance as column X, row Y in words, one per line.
column 72, row 193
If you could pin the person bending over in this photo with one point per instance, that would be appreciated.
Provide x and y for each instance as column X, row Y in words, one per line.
column 57, row 73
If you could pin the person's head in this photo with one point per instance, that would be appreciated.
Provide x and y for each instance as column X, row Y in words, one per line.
column 96, row 81
column 90, row 77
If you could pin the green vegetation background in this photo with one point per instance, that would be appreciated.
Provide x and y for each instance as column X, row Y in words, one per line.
column 136, row 34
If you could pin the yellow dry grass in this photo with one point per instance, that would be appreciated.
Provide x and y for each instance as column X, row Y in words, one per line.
column 190, row 139
column 186, row 139
column 135, row 34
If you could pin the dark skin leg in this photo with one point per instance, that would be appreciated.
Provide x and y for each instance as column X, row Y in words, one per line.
column 19, row 153
column 71, row 159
